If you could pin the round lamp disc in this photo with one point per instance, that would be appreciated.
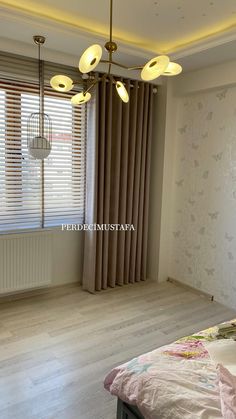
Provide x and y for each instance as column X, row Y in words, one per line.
column 122, row 92
column 173, row 69
column 155, row 67
column 90, row 58
column 61, row 83
column 80, row 98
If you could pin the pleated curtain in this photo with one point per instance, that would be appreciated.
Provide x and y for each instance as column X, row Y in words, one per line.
column 118, row 168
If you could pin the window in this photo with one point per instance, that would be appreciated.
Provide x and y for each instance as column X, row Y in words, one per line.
column 32, row 194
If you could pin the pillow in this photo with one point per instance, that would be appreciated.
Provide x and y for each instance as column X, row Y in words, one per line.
column 223, row 352
column 227, row 385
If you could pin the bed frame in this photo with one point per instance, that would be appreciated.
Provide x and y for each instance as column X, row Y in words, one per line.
column 126, row 411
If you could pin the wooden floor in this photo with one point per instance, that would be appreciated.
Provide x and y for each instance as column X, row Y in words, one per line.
column 56, row 348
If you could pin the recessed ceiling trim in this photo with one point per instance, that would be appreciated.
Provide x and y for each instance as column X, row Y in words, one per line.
column 205, row 43
column 17, row 14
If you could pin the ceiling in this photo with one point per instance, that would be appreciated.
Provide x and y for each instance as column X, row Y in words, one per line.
column 182, row 28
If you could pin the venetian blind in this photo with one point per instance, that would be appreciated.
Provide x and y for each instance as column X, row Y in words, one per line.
column 32, row 194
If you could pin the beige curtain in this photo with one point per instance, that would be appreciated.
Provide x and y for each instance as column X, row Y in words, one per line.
column 118, row 167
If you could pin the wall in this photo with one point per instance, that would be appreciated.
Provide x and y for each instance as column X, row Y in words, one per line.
column 156, row 174
column 198, row 235
column 160, row 182
column 67, row 257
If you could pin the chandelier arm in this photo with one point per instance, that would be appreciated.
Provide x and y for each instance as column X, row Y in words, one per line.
column 77, row 82
column 114, row 63
column 90, row 87
column 139, row 67
column 105, row 61
column 126, row 67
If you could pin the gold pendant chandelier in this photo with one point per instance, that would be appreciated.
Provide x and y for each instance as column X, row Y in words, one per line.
column 39, row 125
column 92, row 56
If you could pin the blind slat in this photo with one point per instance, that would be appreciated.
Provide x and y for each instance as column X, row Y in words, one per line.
column 21, row 175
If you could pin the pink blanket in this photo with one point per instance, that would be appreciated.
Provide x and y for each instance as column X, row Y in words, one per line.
column 177, row 381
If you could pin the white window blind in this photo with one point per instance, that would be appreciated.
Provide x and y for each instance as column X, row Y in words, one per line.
column 33, row 195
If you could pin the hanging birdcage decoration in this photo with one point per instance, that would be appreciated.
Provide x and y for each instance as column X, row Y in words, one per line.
column 39, row 135
column 39, row 126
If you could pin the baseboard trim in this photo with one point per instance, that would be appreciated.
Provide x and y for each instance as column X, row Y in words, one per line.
column 50, row 289
column 189, row 287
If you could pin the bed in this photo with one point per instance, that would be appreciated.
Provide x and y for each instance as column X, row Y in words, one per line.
column 176, row 381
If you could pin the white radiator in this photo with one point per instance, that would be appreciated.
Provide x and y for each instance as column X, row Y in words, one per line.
column 25, row 261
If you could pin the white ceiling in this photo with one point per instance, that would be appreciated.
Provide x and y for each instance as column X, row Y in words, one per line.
column 196, row 32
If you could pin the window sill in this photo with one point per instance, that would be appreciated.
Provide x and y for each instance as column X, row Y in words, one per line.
column 31, row 230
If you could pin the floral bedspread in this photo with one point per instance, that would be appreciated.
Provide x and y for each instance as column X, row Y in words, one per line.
column 176, row 381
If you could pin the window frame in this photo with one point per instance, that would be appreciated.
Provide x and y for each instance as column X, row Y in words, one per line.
column 24, row 88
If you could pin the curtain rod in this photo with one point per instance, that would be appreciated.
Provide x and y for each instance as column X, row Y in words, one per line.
column 155, row 89
column 131, row 85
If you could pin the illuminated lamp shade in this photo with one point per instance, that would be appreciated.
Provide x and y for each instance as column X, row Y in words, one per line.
column 39, row 148
column 90, row 58
column 80, row 98
column 173, row 69
column 61, row 83
column 122, row 92
column 155, row 67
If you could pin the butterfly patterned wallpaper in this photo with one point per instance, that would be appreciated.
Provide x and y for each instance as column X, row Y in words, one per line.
column 203, row 252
